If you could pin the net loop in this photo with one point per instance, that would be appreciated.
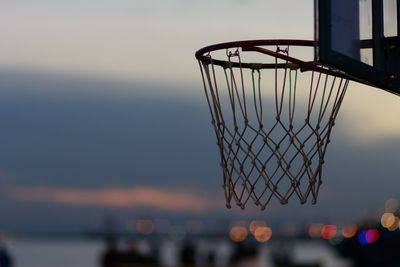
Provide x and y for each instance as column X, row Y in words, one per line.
column 284, row 51
column 272, row 121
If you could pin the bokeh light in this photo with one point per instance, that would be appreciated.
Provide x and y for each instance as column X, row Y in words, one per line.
column 371, row 236
column 361, row 237
column 263, row 234
column 145, row 227
column 388, row 219
column 328, row 231
column 238, row 233
column 256, row 224
column 391, row 205
column 314, row 231
column 395, row 224
column 336, row 240
column 349, row 231
column 366, row 237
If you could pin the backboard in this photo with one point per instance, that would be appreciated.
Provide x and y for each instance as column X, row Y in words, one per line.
column 360, row 38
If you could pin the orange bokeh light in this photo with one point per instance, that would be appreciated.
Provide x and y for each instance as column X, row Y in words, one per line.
column 238, row 233
column 328, row 231
column 263, row 234
column 349, row 231
column 395, row 224
column 387, row 219
column 256, row 224
column 315, row 230
column 145, row 227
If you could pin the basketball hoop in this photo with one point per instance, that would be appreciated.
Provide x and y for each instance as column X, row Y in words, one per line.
column 272, row 118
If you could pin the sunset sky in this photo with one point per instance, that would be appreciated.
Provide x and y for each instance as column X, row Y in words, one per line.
column 102, row 112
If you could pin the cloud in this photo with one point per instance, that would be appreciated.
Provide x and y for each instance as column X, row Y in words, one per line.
column 369, row 114
column 121, row 39
column 149, row 197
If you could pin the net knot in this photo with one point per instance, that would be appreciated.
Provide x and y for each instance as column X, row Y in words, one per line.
column 263, row 167
column 280, row 50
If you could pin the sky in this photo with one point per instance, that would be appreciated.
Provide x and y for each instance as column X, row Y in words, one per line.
column 103, row 112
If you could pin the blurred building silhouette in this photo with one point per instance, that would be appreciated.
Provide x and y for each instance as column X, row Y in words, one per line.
column 5, row 257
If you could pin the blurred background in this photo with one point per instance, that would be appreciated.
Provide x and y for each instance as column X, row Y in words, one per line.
column 107, row 150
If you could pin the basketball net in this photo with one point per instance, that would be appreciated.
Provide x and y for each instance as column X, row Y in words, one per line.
column 272, row 121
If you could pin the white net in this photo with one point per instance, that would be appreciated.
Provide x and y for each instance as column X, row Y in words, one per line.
column 272, row 123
